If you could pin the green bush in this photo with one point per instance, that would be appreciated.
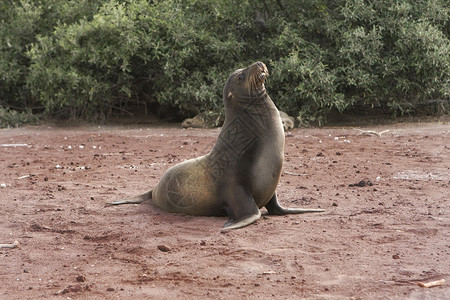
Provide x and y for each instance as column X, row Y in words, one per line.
column 130, row 52
column 18, row 26
column 90, row 59
column 13, row 118
column 83, row 66
column 21, row 25
column 385, row 54
column 398, row 51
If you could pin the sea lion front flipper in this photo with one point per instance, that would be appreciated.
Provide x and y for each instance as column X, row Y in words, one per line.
column 274, row 208
column 241, row 208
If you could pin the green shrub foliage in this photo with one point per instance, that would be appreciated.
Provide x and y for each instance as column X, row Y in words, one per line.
column 87, row 59
column 13, row 118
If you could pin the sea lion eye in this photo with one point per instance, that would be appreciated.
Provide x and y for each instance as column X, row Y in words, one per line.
column 241, row 77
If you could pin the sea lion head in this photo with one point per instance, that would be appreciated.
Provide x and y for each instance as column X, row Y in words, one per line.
column 247, row 83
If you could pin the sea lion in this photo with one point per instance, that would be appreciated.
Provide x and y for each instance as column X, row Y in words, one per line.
column 207, row 119
column 287, row 120
column 240, row 174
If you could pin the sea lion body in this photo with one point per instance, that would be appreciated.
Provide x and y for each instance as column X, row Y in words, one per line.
column 248, row 152
column 187, row 188
column 240, row 174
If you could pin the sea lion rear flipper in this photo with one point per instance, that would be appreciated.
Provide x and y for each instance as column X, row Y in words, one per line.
column 241, row 208
column 135, row 200
column 274, row 208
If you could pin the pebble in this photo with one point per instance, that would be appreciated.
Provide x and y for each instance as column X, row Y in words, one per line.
column 163, row 248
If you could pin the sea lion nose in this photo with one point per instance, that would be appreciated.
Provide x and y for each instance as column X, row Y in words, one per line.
column 264, row 71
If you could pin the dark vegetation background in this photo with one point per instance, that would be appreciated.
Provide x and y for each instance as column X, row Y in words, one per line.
column 94, row 59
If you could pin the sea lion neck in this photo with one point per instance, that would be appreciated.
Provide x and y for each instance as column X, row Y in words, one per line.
column 249, row 103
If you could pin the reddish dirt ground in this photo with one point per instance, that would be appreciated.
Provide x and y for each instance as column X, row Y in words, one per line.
column 373, row 242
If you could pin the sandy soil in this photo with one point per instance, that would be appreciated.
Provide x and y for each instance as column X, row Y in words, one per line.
column 375, row 240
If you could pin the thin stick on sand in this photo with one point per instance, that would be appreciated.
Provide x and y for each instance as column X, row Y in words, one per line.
column 16, row 244
column 431, row 283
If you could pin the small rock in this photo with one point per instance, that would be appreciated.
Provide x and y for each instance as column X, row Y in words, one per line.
column 362, row 183
column 163, row 248
column 70, row 289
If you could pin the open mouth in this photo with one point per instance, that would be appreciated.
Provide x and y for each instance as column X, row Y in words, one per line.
column 263, row 72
